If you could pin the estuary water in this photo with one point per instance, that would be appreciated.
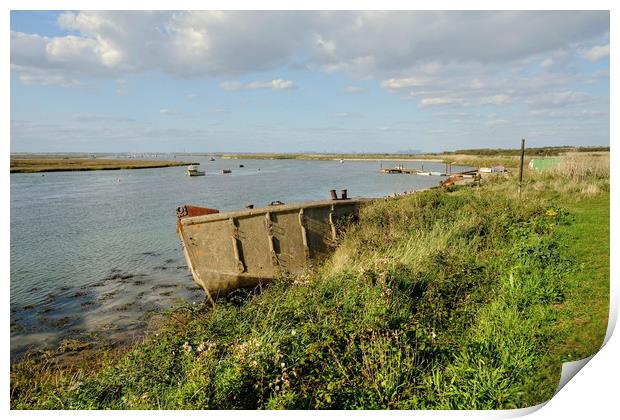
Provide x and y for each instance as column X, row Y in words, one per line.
column 96, row 252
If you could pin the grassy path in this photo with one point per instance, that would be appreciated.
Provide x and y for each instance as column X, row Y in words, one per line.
column 583, row 316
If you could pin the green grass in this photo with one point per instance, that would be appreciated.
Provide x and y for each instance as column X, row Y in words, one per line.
column 586, row 311
column 459, row 299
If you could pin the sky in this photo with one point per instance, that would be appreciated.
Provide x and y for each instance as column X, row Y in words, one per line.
column 334, row 81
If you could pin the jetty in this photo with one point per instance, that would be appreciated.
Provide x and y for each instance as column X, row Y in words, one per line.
column 411, row 171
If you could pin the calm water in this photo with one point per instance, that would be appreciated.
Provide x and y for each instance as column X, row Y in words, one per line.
column 97, row 252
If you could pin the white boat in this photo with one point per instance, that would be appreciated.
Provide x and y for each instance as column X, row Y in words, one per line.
column 192, row 170
column 424, row 173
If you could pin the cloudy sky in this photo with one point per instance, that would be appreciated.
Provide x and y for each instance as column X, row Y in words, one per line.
column 307, row 81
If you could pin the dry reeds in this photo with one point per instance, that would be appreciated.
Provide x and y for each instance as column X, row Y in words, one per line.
column 583, row 167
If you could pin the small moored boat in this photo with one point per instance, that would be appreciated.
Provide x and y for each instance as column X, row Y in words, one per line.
column 192, row 170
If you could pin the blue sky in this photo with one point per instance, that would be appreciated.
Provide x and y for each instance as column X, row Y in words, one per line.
column 307, row 81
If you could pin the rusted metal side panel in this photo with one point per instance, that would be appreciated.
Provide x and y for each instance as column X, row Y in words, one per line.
column 320, row 239
column 254, row 244
column 210, row 253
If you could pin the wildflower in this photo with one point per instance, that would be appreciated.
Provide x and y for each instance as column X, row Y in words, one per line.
column 551, row 213
column 293, row 332
column 282, row 365
column 205, row 347
column 186, row 347
column 277, row 387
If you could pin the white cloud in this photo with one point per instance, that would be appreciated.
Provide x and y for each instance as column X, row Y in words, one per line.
column 167, row 111
column 547, row 62
column 495, row 122
column 476, row 84
column 366, row 43
column 441, row 100
column 496, row 100
column 597, row 53
column 573, row 114
column 557, row 99
column 36, row 76
column 404, row 83
column 276, row 84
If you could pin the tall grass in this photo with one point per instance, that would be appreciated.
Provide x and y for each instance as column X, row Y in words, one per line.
column 441, row 299
column 578, row 175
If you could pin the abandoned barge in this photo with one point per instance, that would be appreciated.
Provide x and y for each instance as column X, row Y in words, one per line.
column 240, row 249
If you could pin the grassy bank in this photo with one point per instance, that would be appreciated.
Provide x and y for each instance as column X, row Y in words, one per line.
column 476, row 158
column 56, row 164
column 460, row 299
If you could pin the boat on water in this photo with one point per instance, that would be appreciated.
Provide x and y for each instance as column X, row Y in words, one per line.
column 226, row 171
column 241, row 249
column 211, row 159
column 423, row 173
column 192, row 170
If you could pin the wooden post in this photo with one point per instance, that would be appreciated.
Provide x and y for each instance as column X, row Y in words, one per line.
column 521, row 165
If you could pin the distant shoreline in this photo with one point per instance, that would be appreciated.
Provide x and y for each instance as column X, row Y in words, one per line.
column 329, row 157
column 36, row 165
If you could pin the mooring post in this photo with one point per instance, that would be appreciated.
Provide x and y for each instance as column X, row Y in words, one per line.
column 334, row 195
column 343, row 194
column 521, row 165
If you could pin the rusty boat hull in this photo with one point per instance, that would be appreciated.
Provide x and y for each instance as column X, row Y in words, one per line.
column 240, row 249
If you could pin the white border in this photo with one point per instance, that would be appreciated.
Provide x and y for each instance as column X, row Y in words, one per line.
column 593, row 393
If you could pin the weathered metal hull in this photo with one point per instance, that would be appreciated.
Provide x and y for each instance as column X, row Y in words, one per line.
column 227, row 251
